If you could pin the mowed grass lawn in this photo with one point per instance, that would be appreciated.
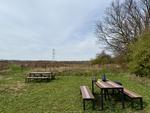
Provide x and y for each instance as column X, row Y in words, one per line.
column 62, row 95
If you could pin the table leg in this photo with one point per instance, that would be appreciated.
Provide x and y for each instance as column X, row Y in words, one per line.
column 83, row 104
column 93, row 81
column 122, row 99
column 92, row 86
column 105, row 94
column 141, row 102
column 102, row 99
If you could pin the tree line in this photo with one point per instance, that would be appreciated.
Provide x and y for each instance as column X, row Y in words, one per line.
column 125, row 30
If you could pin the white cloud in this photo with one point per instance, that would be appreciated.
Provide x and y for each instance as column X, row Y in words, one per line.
column 29, row 29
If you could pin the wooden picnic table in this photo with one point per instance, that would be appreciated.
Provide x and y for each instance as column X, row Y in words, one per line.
column 109, row 85
column 40, row 76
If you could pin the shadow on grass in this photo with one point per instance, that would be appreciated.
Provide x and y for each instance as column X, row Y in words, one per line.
column 42, row 80
column 113, row 104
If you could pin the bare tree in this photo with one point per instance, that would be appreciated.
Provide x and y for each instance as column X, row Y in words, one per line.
column 146, row 12
column 123, row 22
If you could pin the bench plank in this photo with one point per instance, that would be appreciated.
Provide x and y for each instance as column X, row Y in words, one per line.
column 132, row 94
column 86, row 93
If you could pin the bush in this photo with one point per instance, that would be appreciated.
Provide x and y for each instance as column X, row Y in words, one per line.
column 102, row 58
column 139, row 55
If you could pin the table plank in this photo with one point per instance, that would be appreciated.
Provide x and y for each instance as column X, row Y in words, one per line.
column 108, row 85
column 115, row 85
column 102, row 84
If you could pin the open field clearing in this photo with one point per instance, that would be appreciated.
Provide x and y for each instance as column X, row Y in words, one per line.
column 62, row 95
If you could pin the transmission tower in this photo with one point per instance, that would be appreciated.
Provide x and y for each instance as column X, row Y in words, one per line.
column 53, row 54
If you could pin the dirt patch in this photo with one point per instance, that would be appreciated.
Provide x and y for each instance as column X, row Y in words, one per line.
column 13, row 88
column 1, row 77
column 17, row 87
column 9, row 78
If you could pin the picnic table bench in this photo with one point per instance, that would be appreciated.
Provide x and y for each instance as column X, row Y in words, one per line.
column 86, row 95
column 133, row 96
column 39, row 76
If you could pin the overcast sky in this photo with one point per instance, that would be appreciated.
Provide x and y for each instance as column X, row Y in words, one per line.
column 30, row 29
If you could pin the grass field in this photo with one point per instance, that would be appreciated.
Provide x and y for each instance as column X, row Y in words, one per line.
column 62, row 94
